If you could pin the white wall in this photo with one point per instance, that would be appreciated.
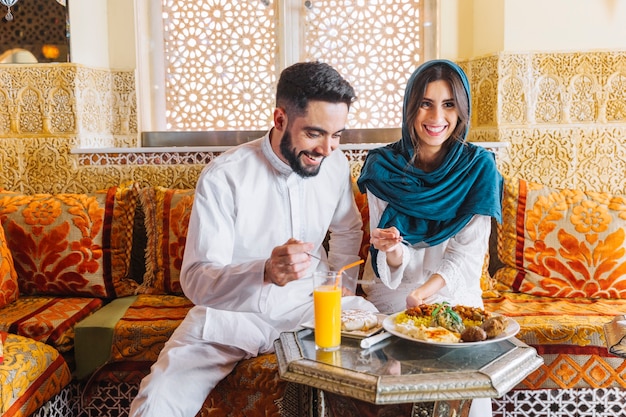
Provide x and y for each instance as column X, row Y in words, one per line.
column 565, row 25
column 102, row 33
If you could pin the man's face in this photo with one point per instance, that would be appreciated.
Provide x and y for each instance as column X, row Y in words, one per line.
column 308, row 139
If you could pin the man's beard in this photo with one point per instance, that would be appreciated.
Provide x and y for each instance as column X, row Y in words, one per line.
column 289, row 152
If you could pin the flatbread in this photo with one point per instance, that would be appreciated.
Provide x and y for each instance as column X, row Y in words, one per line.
column 358, row 320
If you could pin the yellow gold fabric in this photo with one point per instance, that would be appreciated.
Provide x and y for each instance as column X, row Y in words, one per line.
column 8, row 277
column 568, row 333
column 72, row 244
column 31, row 374
column 45, row 319
column 562, row 242
column 167, row 214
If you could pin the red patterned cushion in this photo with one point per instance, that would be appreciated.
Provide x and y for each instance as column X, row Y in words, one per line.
column 167, row 214
column 49, row 320
column 72, row 244
column 8, row 277
column 562, row 242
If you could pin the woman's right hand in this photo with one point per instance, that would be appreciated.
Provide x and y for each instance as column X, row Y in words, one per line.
column 385, row 240
column 388, row 241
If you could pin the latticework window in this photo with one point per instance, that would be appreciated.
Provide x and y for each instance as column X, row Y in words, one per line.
column 222, row 56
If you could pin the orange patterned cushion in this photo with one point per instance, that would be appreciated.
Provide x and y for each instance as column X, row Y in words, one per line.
column 8, row 277
column 154, row 317
column 167, row 214
column 49, row 320
column 562, row 242
column 72, row 244
column 253, row 388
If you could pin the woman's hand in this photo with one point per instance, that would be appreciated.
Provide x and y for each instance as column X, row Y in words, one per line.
column 415, row 298
column 388, row 241
column 419, row 295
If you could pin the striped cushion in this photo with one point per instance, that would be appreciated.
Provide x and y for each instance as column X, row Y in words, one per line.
column 167, row 213
column 568, row 333
column 49, row 320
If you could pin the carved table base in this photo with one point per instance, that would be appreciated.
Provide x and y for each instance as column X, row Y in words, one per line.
column 340, row 406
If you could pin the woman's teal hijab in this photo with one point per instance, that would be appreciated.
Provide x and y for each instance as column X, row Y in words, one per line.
column 428, row 208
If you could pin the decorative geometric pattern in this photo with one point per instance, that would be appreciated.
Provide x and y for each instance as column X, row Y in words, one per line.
column 221, row 58
column 561, row 403
column 513, row 102
column 64, row 100
column 220, row 64
column 115, row 399
column 375, row 45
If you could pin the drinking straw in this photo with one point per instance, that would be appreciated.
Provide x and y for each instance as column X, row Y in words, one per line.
column 343, row 268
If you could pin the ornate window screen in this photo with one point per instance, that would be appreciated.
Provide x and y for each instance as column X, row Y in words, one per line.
column 376, row 44
column 223, row 57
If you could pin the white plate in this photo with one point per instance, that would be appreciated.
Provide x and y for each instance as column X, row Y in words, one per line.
column 511, row 330
column 356, row 334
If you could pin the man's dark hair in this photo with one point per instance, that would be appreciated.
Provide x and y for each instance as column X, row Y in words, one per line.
column 311, row 81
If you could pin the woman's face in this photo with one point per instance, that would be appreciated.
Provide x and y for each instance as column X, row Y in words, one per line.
column 437, row 115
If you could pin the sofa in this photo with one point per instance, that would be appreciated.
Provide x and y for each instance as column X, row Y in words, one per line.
column 92, row 282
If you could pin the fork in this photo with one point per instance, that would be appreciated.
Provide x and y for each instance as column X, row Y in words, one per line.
column 320, row 259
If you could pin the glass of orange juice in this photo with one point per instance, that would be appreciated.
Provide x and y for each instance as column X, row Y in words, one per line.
column 327, row 309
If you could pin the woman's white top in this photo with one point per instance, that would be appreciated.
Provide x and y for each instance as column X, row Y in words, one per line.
column 459, row 260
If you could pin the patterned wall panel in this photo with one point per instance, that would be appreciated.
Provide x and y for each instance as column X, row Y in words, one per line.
column 563, row 115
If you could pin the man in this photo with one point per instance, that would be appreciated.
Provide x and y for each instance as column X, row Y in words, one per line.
column 259, row 210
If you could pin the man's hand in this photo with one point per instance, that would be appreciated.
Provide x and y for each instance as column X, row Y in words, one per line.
column 288, row 262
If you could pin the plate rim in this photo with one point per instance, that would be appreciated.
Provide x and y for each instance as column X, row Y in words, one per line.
column 355, row 334
column 512, row 329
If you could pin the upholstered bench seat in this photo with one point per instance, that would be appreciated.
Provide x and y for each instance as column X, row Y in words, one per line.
column 569, row 334
column 123, row 339
column 31, row 373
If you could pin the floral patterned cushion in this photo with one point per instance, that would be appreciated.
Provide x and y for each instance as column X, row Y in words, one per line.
column 72, row 244
column 31, row 374
column 562, row 242
column 8, row 277
column 167, row 214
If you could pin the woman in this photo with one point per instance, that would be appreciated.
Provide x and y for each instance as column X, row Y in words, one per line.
column 431, row 196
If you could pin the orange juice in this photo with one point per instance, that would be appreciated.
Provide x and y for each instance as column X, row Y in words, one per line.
column 327, row 311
